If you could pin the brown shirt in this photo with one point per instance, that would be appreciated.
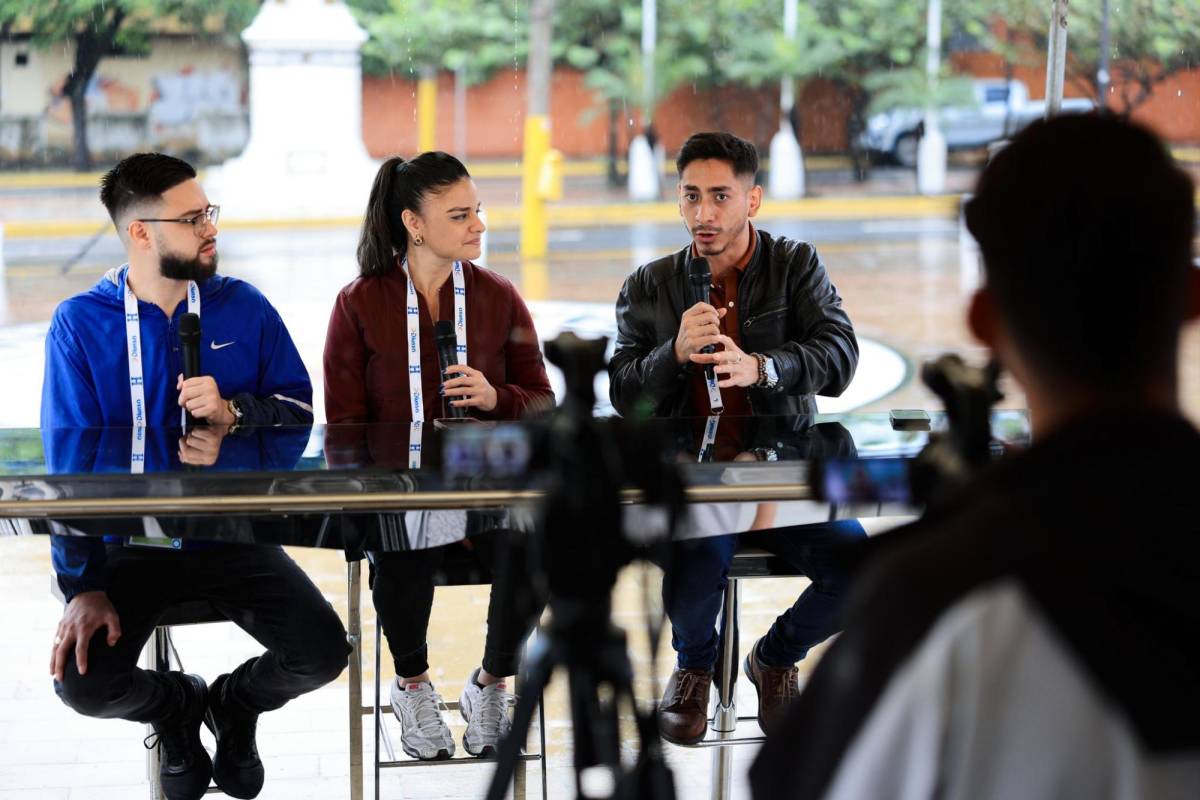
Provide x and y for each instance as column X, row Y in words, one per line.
column 366, row 359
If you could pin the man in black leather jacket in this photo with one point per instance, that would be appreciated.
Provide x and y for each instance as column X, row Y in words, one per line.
column 781, row 336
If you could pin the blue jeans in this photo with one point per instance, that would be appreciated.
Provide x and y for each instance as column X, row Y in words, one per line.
column 694, row 588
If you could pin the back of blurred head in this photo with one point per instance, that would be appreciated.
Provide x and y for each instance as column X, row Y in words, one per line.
column 1085, row 225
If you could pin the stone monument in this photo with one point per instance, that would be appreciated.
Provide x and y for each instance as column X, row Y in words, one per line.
column 305, row 158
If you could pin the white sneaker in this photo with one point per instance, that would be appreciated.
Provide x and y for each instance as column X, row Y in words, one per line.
column 424, row 734
column 486, row 712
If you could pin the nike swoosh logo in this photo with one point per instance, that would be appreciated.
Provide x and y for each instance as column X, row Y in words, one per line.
column 213, row 344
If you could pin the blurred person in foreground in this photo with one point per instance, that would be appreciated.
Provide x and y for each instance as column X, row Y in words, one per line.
column 1036, row 635
column 113, row 360
column 778, row 335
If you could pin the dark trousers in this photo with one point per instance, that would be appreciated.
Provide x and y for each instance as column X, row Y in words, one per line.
column 402, row 587
column 259, row 588
column 694, row 587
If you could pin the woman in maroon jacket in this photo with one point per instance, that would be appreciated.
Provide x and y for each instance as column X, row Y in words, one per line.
column 422, row 226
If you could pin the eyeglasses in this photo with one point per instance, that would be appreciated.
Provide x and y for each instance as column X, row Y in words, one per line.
column 206, row 217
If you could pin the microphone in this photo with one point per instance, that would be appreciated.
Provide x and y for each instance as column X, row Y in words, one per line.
column 189, row 345
column 700, row 279
column 699, row 276
column 447, row 348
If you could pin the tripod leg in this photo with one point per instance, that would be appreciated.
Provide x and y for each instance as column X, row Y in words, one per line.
column 534, row 678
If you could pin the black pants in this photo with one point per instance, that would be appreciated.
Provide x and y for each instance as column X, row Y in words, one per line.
column 402, row 587
column 259, row 588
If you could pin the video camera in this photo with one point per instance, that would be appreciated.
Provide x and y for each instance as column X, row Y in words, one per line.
column 949, row 459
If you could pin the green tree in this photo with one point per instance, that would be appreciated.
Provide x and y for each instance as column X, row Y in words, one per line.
column 1149, row 42
column 410, row 36
column 101, row 28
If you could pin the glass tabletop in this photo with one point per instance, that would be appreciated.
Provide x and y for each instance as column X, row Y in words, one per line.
column 298, row 467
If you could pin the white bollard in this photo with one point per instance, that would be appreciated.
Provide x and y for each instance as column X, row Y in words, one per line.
column 643, row 171
column 931, row 162
column 786, row 181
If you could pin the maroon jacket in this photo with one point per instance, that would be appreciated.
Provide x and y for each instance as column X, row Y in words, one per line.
column 366, row 360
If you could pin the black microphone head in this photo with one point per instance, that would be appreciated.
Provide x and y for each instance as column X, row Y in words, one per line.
column 189, row 329
column 699, row 273
column 443, row 332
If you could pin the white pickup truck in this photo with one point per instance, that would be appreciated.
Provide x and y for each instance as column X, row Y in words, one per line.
column 1001, row 109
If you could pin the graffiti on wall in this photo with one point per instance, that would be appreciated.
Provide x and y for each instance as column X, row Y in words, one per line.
column 181, row 98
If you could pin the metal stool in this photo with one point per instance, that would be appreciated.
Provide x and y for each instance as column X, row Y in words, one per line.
column 454, row 572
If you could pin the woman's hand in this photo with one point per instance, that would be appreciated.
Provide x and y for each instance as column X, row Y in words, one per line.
column 471, row 389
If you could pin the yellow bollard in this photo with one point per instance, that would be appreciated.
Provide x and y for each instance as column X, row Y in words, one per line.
column 550, row 178
column 427, row 112
column 535, row 282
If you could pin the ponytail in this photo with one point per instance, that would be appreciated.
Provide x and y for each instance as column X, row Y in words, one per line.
column 400, row 186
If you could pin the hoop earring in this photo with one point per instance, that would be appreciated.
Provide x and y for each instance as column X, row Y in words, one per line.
column 418, row 241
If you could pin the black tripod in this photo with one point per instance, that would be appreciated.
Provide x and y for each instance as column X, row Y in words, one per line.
column 578, row 548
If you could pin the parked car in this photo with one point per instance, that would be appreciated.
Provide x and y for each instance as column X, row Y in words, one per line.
column 1001, row 109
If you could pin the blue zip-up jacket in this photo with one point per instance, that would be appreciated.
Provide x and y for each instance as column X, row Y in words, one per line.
column 244, row 347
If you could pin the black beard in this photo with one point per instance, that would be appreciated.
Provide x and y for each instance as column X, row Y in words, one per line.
column 186, row 269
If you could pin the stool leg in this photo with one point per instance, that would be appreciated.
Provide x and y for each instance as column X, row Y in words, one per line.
column 354, row 623
column 157, row 658
column 725, row 717
column 377, row 715
column 519, row 772
column 542, row 742
column 722, row 773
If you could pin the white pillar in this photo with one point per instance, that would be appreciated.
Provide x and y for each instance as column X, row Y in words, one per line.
column 305, row 157
column 931, row 152
column 1056, row 58
column 645, row 162
column 786, row 179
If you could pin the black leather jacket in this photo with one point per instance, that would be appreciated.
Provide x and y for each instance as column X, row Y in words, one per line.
column 788, row 310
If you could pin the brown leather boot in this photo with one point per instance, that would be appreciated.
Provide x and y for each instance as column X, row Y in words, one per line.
column 683, row 712
column 777, row 687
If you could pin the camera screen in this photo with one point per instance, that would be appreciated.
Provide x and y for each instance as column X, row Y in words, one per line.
column 485, row 451
column 864, row 480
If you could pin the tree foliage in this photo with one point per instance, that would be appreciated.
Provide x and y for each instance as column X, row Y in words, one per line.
column 408, row 36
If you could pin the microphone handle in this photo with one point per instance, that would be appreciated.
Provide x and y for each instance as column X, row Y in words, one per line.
column 448, row 357
column 698, row 296
column 191, row 369
column 454, row 412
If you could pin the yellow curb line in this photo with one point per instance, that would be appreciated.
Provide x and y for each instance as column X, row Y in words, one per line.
column 61, row 179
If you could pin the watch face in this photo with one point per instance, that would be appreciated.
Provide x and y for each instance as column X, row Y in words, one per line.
column 772, row 375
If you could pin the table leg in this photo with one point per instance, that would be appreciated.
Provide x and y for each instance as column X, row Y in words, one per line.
column 354, row 629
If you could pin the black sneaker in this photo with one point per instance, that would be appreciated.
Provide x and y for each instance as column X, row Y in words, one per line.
column 184, row 766
column 237, row 768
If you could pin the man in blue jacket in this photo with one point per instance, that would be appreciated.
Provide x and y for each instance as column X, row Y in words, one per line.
column 113, row 360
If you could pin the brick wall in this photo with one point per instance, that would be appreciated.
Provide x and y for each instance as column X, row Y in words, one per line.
column 496, row 112
column 580, row 122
